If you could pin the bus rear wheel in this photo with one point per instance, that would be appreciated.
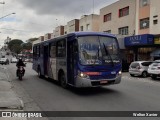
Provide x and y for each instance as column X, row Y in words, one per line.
column 39, row 73
column 63, row 81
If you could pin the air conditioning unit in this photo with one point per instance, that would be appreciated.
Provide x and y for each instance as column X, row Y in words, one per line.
column 144, row 24
column 144, row 3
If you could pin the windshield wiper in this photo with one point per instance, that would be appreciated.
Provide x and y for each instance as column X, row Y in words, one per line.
column 107, row 53
column 97, row 57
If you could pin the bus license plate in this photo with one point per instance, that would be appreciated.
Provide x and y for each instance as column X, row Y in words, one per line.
column 103, row 81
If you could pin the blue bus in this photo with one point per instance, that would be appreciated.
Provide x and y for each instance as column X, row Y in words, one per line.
column 79, row 59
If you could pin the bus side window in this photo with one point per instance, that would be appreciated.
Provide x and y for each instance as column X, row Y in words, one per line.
column 37, row 51
column 34, row 51
column 75, row 48
column 41, row 50
column 61, row 48
column 53, row 50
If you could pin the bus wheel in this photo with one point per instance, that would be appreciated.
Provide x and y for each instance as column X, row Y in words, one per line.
column 39, row 72
column 63, row 81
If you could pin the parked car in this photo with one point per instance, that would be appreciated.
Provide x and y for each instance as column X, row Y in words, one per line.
column 154, row 69
column 139, row 68
column 27, row 60
column 14, row 60
column 157, row 60
column 4, row 61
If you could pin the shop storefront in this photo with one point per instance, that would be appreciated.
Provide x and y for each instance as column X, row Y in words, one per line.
column 141, row 47
column 156, row 53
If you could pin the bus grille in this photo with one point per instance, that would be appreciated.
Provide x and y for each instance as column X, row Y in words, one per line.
column 97, row 83
column 98, row 77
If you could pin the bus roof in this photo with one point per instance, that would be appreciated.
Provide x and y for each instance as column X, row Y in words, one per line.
column 92, row 33
column 77, row 34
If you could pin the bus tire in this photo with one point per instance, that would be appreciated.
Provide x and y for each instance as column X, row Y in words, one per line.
column 63, row 81
column 39, row 73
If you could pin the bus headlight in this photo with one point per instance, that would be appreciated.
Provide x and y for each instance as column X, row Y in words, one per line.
column 82, row 75
column 120, row 73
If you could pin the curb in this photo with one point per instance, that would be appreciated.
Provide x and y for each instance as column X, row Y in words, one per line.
column 8, row 98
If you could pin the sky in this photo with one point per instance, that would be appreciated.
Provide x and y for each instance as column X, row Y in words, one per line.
column 35, row 18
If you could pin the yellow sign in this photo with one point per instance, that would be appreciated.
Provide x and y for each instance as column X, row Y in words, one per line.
column 157, row 40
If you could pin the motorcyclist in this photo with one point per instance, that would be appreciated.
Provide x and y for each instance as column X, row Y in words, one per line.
column 20, row 63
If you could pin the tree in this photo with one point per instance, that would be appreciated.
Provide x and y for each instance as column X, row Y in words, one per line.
column 31, row 40
column 27, row 46
column 15, row 45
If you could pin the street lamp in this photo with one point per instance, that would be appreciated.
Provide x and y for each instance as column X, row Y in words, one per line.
column 7, row 15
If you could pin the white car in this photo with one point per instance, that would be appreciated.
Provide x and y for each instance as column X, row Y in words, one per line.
column 14, row 60
column 139, row 68
column 154, row 69
column 4, row 61
column 157, row 60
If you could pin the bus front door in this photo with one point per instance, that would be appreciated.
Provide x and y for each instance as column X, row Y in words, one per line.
column 45, row 59
column 71, row 60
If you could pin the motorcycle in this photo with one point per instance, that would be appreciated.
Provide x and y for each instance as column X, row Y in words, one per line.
column 20, row 72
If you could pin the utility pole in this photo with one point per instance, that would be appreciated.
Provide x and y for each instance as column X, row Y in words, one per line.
column 7, row 15
column 93, row 6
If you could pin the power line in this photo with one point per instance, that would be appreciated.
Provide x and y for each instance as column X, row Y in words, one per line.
column 15, row 30
column 10, row 29
column 2, row 2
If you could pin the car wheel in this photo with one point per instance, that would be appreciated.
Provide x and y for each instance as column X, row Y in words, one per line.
column 132, row 75
column 144, row 74
column 153, row 77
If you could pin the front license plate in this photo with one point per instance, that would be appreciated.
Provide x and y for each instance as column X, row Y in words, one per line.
column 103, row 81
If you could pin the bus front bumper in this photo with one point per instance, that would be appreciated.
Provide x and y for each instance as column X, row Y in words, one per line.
column 85, row 82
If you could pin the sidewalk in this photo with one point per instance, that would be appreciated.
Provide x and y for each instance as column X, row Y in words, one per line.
column 8, row 99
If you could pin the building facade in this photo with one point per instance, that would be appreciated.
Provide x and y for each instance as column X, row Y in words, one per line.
column 66, row 29
column 59, row 31
column 142, row 45
column 148, row 16
column 73, row 26
column 138, row 22
column 89, row 23
column 119, row 18
column 47, row 36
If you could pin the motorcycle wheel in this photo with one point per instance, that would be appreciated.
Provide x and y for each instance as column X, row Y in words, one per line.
column 20, row 76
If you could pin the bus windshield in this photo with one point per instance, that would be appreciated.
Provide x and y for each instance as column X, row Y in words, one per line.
column 98, row 50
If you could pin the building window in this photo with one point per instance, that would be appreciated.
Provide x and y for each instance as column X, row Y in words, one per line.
column 124, row 11
column 155, row 16
column 123, row 30
column 81, row 28
column 155, row 22
column 88, row 27
column 107, row 17
column 144, row 3
column 144, row 23
column 108, row 31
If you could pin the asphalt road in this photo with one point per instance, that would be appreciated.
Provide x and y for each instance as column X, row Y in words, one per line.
column 132, row 94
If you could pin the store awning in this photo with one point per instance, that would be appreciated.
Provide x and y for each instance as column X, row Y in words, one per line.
column 139, row 40
column 155, row 53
